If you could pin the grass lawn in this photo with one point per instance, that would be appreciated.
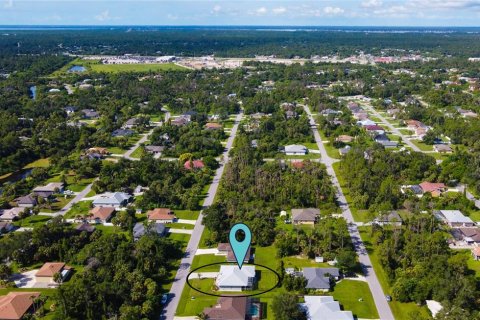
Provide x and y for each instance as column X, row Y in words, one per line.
column 40, row 163
column 61, row 201
column 180, row 237
column 331, row 150
column 348, row 293
column 180, row 226
column 138, row 153
column 186, row 214
column 472, row 264
column 32, row 221
column 204, row 259
column 193, row 302
column 141, row 67
column 400, row 310
column 422, row 146
column 117, row 150
column 310, row 156
column 310, row 145
column 79, row 208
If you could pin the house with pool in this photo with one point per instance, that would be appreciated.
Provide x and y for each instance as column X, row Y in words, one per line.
column 234, row 308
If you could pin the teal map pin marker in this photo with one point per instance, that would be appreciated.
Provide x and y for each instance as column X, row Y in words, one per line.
column 240, row 248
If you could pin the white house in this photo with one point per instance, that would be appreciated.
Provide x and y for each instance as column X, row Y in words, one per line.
column 232, row 278
column 115, row 199
column 454, row 218
column 324, row 308
column 295, row 149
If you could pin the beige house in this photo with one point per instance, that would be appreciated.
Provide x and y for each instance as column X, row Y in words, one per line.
column 305, row 216
column 48, row 270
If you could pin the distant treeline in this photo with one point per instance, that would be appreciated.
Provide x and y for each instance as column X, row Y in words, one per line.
column 233, row 43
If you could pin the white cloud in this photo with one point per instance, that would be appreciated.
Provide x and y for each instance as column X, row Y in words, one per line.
column 393, row 11
column 216, row 9
column 279, row 10
column 261, row 11
column 372, row 3
column 172, row 16
column 104, row 16
column 8, row 4
column 444, row 4
column 333, row 11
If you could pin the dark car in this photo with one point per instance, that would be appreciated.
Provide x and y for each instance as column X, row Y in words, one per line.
column 389, row 298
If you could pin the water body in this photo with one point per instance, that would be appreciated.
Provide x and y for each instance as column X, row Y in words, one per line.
column 77, row 69
column 33, row 92
column 14, row 177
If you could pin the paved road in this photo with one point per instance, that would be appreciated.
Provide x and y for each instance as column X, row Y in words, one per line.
column 180, row 279
column 145, row 137
column 378, row 295
column 386, row 123
column 469, row 196
column 69, row 205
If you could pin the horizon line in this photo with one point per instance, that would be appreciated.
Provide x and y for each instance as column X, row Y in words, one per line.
column 235, row 25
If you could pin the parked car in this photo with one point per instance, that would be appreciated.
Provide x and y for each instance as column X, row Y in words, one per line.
column 389, row 298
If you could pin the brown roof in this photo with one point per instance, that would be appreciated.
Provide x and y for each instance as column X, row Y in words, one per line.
column 15, row 304
column 213, row 125
column 222, row 247
column 344, row 138
column 50, row 268
column 228, row 308
column 476, row 251
column 102, row 213
column 160, row 214
column 430, row 187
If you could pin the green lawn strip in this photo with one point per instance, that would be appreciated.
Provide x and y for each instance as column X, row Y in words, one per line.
column 205, row 259
column 422, row 146
column 117, row 150
column 180, row 226
column 472, row 264
column 310, row 156
column 111, row 229
column 193, row 302
column 60, row 202
column 80, row 208
column 186, row 214
column 358, row 215
column 400, row 310
column 40, row 163
column 203, row 240
column 405, row 132
column 355, row 296
column 180, row 237
column 331, row 150
column 475, row 215
column 310, row 145
column 138, row 153
column 32, row 221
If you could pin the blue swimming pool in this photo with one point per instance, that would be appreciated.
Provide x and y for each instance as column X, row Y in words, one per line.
column 254, row 310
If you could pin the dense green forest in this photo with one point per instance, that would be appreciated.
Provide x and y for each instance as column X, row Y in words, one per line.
column 248, row 43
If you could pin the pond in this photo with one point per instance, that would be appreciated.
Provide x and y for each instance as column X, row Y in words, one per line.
column 77, row 69
column 14, row 177
column 33, row 92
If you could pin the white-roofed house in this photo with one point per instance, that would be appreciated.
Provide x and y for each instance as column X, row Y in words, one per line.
column 232, row 278
column 454, row 218
column 112, row 199
column 295, row 149
column 324, row 308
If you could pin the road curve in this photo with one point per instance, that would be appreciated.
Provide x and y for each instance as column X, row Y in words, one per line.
column 377, row 292
column 180, row 279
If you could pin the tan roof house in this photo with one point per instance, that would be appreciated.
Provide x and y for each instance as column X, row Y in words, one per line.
column 305, row 215
column 49, row 269
column 161, row 215
column 101, row 214
column 15, row 305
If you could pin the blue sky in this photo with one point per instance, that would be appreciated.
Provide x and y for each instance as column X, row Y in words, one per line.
column 242, row 12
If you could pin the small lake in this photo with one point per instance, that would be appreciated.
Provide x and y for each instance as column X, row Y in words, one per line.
column 33, row 92
column 16, row 176
column 77, row 69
